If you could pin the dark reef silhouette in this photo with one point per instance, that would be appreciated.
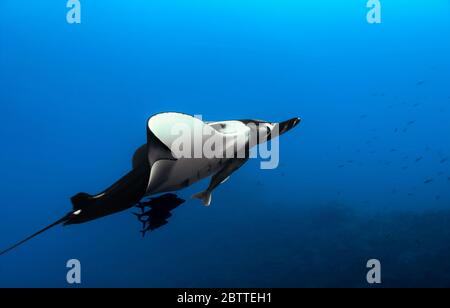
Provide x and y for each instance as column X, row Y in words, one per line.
column 327, row 245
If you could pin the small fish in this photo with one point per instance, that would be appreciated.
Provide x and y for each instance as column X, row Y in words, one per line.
column 419, row 159
column 363, row 116
column 411, row 122
column 444, row 160
column 341, row 166
column 420, row 83
column 438, row 198
column 428, row 181
column 393, row 150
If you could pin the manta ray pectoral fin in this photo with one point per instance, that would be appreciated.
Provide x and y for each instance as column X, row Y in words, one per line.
column 283, row 127
column 81, row 200
column 226, row 179
column 205, row 196
column 140, row 156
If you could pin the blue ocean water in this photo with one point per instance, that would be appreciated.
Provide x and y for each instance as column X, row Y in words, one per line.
column 375, row 104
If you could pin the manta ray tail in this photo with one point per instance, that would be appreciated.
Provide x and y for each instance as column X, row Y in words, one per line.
column 205, row 196
column 65, row 218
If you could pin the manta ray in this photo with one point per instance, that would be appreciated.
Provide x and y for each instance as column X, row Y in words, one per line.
column 168, row 162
